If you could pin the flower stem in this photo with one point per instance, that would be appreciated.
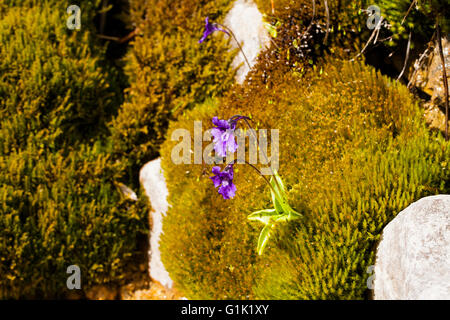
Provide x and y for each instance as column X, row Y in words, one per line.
column 235, row 39
column 246, row 119
column 257, row 170
column 259, row 147
column 254, row 136
column 260, row 173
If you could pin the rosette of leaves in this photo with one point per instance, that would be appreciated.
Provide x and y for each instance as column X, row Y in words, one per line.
column 281, row 212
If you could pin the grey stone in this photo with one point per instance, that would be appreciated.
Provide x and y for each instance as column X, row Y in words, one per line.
column 413, row 256
column 246, row 22
column 152, row 178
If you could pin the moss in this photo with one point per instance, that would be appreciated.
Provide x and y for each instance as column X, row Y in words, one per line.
column 292, row 19
column 420, row 21
column 328, row 257
column 354, row 151
column 60, row 210
column 59, row 205
column 49, row 70
column 169, row 72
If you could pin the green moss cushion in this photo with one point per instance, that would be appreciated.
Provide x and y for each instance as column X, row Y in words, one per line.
column 354, row 152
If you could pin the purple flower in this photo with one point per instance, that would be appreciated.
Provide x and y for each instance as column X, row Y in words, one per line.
column 224, row 180
column 224, row 138
column 210, row 28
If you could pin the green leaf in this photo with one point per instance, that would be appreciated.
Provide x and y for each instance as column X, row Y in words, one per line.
column 276, row 203
column 280, row 182
column 277, row 192
column 263, row 238
column 282, row 211
column 272, row 30
column 263, row 216
column 285, row 217
column 279, row 196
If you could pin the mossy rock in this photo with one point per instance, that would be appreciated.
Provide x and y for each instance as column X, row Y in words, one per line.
column 60, row 210
column 301, row 26
column 59, row 203
column 169, row 72
column 53, row 79
column 354, row 151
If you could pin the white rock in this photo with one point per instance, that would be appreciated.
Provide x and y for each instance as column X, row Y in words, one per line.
column 246, row 22
column 152, row 178
column 413, row 257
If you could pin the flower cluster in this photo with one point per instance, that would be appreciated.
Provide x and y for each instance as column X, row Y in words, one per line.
column 224, row 140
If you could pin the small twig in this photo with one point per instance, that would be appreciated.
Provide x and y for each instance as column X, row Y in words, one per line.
column 370, row 39
column 420, row 61
column 120, row 40
column 130, row 35
column 444, row 74
column 273, row 7
column 103, row 16
column 312, row 20
column 376, row 37
column 386, row 39
column 406, row 58
column 409, row 10
column 274, row 43
column 327, row 12
column 101, row 36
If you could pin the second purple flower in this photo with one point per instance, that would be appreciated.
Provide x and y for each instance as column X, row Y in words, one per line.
column 224, row 181
column 224, row 137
